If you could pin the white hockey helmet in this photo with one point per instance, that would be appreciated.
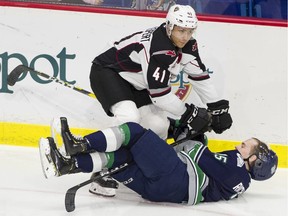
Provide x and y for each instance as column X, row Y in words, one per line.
column 181, row 15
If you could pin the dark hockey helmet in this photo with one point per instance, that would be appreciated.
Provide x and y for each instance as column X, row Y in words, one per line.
column 265, row 165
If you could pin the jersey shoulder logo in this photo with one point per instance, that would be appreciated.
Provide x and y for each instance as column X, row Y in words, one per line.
column 171, row 53
column 194, row 46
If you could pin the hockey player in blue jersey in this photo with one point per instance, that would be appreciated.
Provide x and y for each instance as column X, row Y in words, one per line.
column 189, row 173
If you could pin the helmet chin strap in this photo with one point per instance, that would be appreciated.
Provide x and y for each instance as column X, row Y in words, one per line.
column 168, row 30
column 169, row 35
column 248, row 162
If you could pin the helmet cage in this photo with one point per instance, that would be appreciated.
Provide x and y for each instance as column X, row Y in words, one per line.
column 264, row 167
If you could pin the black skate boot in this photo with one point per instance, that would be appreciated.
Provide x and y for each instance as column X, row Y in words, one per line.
column 72, row 144
column 103, row 186
column 53, row 163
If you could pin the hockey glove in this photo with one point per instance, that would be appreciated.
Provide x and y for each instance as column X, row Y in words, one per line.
column 221, row 119
column 195, row 118
column 175, row 131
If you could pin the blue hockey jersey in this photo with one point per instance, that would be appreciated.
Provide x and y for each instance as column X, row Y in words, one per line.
column 225, row 170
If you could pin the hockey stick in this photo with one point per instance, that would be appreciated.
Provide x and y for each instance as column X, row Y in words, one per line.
column 71, row 193
column 20, row 69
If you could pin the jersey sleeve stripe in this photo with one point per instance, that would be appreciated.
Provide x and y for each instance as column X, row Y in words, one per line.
column 159, row 92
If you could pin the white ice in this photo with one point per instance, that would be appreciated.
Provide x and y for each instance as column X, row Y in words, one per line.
column 25, row 192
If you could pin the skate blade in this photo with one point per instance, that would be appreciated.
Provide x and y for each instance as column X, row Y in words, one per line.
column 48, row 167
column 56, row 126
column 55, row 129
column 101, row 191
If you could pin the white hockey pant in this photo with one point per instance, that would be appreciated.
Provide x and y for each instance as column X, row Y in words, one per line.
column 149, row 116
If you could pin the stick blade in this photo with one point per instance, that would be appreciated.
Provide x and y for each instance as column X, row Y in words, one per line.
column 15, row 74
column 70, row 199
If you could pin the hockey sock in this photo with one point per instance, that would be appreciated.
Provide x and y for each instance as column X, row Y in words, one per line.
column 93, row 162
column 112, row 138
column 106, row 140
column 96, row 161
column 117, row 158
column 132, row 132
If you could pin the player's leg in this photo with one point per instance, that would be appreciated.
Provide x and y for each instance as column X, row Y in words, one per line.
column 109, row 87
column 55, row 164
column 107, row 140
column 155, row 119
column 73, row 145
column 125, row 111
column 162, row 173
column 114, row 94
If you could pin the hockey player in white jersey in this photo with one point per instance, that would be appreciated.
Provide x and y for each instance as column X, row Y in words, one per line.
column 132, row 78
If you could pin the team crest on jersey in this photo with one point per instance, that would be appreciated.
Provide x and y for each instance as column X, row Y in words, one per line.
column 181, row 87
column 182, row 93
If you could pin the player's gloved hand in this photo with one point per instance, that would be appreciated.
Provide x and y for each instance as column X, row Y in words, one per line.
column 195, row 118
column 221, row 119
column 175, row 131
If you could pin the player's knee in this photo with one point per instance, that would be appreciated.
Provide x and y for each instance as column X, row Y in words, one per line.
column 158, row 124
column 134, row 131
column 132, row 117
column 128, row 117
column 135, row 128
column 126, row 111
column 161, row 129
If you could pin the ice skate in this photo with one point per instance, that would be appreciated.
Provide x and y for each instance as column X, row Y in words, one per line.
column 104, row 186
column 53, row 163
column 72, row 144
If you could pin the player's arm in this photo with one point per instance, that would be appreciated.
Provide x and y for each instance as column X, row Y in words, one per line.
column 158, row 78
column 219, row 109
column 198, row 75
column 204, row 87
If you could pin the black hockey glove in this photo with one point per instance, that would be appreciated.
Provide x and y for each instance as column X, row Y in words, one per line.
column 195, row 118
column 175, row 130
column 221, row 119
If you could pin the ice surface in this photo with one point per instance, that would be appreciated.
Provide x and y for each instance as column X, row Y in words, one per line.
column 25, row 192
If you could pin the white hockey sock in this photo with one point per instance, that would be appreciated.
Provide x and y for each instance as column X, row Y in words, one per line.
column 99, row 161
